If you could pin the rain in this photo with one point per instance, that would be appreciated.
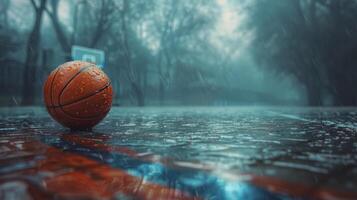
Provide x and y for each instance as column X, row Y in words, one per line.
column 167, row 99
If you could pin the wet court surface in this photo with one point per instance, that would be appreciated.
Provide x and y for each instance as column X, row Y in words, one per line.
column 182, row 153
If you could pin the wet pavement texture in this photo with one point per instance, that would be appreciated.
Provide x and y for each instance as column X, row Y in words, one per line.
column 182, row 153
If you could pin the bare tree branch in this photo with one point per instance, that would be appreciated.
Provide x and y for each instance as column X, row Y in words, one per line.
column 34, row 5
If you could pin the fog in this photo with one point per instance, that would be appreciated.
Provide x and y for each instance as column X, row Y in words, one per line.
column 174, row 53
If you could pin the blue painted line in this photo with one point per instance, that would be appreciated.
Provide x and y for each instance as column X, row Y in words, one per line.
column 197, row 183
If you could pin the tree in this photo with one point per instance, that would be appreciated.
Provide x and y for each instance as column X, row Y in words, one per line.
column 303, row 38
column 340, row 44
column 174, row 29
column 32, row 53
column 131, row 71
column 4, row 7
column 100, row 23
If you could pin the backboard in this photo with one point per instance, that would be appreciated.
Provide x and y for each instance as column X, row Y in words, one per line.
column 96, row 56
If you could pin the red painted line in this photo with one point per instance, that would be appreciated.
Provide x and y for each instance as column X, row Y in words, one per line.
column 75, row 176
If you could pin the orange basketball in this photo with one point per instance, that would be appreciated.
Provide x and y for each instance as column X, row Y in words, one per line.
column 78, row 94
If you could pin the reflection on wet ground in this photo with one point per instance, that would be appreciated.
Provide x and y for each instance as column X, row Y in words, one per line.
column 182, row 153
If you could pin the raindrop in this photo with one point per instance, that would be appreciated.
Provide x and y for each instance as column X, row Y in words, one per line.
column 25, row 124
column 14, row 100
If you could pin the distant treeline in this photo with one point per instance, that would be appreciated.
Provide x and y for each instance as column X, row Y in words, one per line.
column 158, row 52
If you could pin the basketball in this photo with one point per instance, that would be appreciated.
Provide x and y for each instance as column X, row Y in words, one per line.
column 78, row 94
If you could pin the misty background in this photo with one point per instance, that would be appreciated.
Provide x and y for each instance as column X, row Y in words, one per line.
column 201, row 52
